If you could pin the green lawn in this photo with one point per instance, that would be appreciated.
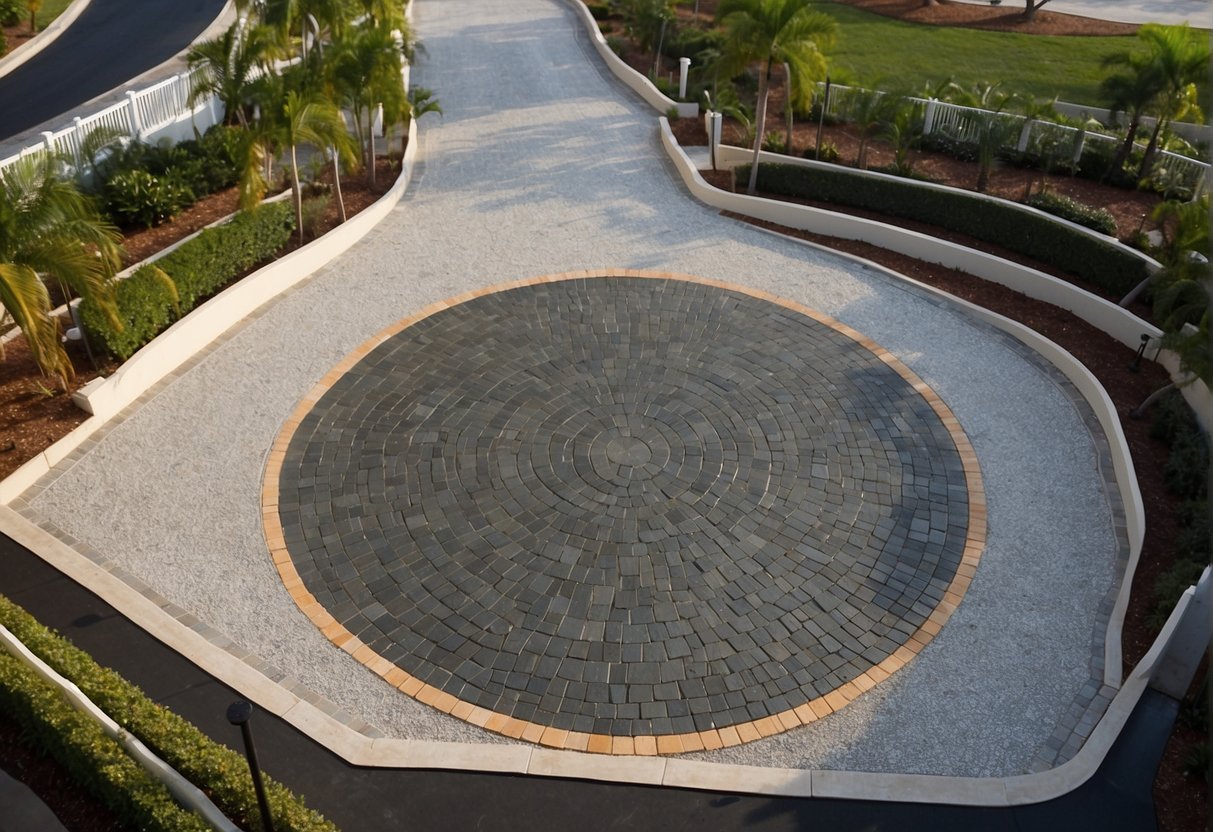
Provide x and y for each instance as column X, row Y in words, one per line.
column 877, row 51
column 49, row 11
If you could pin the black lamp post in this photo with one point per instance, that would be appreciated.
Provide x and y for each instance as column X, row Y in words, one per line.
column 239, row 713
column 1141, row 350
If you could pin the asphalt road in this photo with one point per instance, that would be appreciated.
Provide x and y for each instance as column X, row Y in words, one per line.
column 112, row 42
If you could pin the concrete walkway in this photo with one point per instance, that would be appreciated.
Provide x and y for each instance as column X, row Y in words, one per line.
column 544, row 164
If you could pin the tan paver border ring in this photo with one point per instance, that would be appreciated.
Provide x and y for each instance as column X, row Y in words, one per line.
column 625, row 512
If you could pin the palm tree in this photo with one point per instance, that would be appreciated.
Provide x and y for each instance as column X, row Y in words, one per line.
column 771, row 32
column 365, row 71
column 1182, row 293
column 48, row 229
column 229, row 65
column 309, row 119
column 1180, row 60
column 1130, row 92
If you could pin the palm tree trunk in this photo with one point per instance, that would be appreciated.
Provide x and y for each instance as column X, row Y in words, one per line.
column 787, row 108
column 337, row 182
column 1147, row 161
column 297, row 193
column 1126, row 147
column 1140, row 410
column 760, row 125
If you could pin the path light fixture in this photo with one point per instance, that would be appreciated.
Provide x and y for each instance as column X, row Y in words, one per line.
column 1141, row 350
column 239, row 713
column 684, row 65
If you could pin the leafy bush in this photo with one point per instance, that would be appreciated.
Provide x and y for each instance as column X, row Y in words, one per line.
column 1195, row 535
column 1091, row 259
column 829, row 152
column 136, row 197
column 313, row 213
column 1058, row 205
column 1187, row 468
column 774, row 142
column 198, row 268
column 3, row 43
column 216, row 769
column 12, row 12
column 600, row 11
column 146, row 304
column 95, row 762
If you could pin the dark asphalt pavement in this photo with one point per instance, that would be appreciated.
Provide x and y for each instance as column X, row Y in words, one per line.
column 112, row 42
column 1118, row 797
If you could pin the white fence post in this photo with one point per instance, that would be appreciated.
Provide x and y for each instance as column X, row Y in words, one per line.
column 1025, row 135
column 928, row 120
column 132, row 115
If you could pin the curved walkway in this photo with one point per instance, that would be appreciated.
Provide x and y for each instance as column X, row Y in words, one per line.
column 542, row 164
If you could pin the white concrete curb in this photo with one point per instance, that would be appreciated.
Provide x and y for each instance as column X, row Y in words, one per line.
column 44, row 38
column 639, row 84
column 105, row 398
column 186, row 793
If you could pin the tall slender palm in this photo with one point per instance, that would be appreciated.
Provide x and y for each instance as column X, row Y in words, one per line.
column 1180, row 59
column 309, row 119
column 771, row 32
column 229, row 65
column 365, row 71
column 48, row 229
column 1130, row 91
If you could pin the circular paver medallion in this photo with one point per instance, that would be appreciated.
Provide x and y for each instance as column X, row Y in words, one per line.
column 625, row 507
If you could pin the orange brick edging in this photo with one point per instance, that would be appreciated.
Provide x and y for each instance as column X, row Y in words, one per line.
column 600, row 743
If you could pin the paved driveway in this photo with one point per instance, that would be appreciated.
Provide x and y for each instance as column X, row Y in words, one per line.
column 544, row 164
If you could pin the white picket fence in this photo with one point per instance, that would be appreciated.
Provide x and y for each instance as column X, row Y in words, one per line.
column 159, row 111
column 965, row 124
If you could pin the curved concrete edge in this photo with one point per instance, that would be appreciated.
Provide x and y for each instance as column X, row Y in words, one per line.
column 186, row 793
column 639, row 84
column 729, row 156
column 105, row 398
column 1117, row 322
column 44, row 38
column 157, row 618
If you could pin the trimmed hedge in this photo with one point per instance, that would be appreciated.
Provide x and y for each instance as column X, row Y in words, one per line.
column 1097, row 219
column 199, row 269
column 216, row 769
column 1033, row 236
column 94, row 761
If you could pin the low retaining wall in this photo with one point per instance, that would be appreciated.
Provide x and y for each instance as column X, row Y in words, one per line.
column 635, row 80
column 105, row 398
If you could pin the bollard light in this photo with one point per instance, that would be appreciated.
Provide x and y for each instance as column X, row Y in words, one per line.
column 1141, row 350
column 684, row 64
column 239, row 713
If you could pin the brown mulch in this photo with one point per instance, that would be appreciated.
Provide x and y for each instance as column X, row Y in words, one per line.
column 1007, row 17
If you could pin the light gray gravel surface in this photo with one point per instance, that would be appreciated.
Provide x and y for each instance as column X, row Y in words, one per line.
column 543, row 163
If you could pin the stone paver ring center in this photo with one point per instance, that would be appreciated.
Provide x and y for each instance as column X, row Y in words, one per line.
column 628, row 450
column 626, row 512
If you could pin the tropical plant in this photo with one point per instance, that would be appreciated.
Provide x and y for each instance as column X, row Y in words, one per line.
column 227, row 67
column 49, row 229
column 870, row 112
column 315, row 121
column 1131, row 92
column 1173, row 60
column 770, row 32
column 364, row 71
column 647, row 21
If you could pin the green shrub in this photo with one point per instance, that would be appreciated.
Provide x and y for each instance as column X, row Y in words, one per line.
column 1093, row 260
column 1187, row 468
column 146, row 308
column 829, row 152
column 599, row 11
column 136, row 197
column 774, row 142
column 199, row 268
column 3, row 44
column 1195, row 535
column 1168, row 588
column 95, row 762
column 216, row 769
column 12, row 12
column 1098, row 219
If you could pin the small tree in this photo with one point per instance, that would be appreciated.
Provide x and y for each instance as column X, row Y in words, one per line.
column 365, row 71
column 768, row 32
column 49, row 229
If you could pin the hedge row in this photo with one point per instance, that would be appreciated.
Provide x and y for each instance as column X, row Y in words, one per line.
column 94, row 761
column 1020, row 231
column 216, row 769
column 199, row 268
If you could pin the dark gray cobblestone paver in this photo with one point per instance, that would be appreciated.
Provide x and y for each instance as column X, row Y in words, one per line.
column 625, row 506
